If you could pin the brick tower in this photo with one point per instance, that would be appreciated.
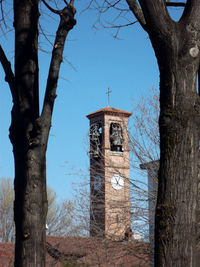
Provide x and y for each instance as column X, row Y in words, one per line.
column 109, row 173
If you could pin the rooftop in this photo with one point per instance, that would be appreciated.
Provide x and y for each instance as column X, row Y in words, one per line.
column 110, row 111
column 85, row 251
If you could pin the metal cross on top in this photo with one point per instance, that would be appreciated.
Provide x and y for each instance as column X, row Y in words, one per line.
column 108, row 93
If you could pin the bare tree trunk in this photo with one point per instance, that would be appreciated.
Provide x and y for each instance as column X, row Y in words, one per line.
column 176, row 45
column 30, row 206
column 176, row 222
column 29, row 130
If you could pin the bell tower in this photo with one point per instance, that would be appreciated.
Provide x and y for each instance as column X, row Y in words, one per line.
column 109, row 173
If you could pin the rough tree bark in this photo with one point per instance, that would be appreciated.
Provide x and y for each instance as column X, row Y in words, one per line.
column 29, row 130
column 176, row 45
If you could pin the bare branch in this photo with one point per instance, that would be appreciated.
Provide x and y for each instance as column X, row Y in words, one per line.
column 67, row 22
column 191, row 13
column 50, row 8
column 151, row 9
column 181, row 4
column 112, row 5
column 45, row 35
column 137, row 11
column 2, row 14
column 118, row 26
column 9, row 75
column 71, row 3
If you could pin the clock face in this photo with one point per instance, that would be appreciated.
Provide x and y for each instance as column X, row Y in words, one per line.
column 117, row 181
column 97, row 182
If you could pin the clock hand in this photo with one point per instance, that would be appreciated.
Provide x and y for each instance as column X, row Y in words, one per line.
column 117, row 180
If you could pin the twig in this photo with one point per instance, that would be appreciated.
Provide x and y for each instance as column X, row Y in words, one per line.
column 50, row 8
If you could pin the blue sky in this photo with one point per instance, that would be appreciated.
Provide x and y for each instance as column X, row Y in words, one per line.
column 128, row 66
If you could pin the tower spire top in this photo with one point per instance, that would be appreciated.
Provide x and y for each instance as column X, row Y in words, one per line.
column 108, row 93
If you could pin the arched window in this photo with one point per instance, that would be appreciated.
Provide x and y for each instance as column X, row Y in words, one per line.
column 116, row 138
column 95, row 139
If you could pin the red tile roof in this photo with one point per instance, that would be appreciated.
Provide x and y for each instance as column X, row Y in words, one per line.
column 109, row 110
column 80, row 251
column 6, row 254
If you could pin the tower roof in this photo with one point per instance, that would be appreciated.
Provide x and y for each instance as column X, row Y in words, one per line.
column 109, row 111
